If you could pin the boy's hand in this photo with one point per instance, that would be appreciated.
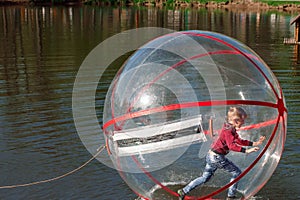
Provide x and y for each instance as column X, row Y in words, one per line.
column 260, row 141
column 253, row 149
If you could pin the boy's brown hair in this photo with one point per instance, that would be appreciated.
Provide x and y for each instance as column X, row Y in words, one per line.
column 236, row 112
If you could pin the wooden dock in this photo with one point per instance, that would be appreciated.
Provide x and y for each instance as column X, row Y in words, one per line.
column 296, row 38
column 290, row 41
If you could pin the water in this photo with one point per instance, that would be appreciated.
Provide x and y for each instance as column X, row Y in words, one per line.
column 41, row 51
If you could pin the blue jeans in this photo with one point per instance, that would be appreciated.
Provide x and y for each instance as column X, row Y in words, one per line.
column 213, row 162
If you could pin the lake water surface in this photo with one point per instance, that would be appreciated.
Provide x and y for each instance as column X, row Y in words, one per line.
column 41, row 51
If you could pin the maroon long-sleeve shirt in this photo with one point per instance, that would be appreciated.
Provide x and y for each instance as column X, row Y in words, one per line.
column 229, row 140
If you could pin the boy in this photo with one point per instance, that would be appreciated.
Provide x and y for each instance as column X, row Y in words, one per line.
column 228, row 140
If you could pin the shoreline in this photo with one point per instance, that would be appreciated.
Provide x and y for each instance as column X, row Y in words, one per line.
column 251, row 6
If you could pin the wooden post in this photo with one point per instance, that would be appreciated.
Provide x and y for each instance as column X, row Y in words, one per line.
column 297, row 25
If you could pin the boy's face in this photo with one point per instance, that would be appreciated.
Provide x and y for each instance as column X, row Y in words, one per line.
column 238, row 122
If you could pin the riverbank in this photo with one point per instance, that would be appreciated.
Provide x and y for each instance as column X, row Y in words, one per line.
column 240, row 4
column 214, row 4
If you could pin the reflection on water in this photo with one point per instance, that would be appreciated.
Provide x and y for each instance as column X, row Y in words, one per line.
column 41, row 51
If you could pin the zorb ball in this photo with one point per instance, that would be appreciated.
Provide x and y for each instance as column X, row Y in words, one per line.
column 168, row 103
